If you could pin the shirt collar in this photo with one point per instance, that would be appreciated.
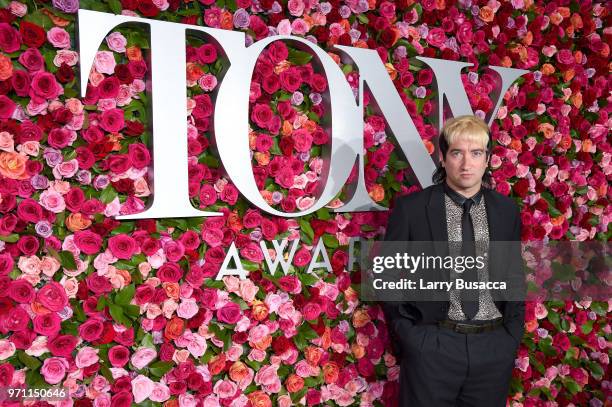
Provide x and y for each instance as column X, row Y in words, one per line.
column 460, row 199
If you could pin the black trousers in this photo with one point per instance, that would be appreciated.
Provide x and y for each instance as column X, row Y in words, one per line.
column 440, row 367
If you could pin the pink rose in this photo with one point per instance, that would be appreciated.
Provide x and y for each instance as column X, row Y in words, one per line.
column 142, row 387
column 87, row 356
column 104, row 62
column 225, row 388
column 142, row 357
column 160, row 392
column 267, row 377
column 87, row 241
column 262, row 115
column 187, row 308
column 54, row 369
column 116, row 42
column 302, row 257
column 58, row 37
column 52, row 296
column 252, row 252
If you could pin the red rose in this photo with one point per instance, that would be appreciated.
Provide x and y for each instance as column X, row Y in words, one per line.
column 32, row 34
column 74, row 199
column 52, row 296
column 28, row 245
column 10, row 40
column 20, row 82
column 262, row 115
column 229, row 313
column 122, row 246
column 119, row 163
column 7, row 107
column 62, row 345
column 88, row 242
column 32, row 60
column 124, row 398
column 17, row 319
column 204, row 107
column 85, row 158
column 109, row 88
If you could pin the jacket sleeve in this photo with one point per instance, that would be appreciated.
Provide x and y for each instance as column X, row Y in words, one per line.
column 515, row 315
column 397, row 230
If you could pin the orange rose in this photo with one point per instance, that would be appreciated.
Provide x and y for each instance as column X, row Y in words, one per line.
column 294, row 383
column 262, row 158
column 174, row 328
column 587, row 145
column 259, row 310
column 312, row 355
column 227, row 20
column 234, row 222
column 216, row 364
column 330, row 372
column 358, row 351
column 172, row 290
column 259, row 399
column 238, row 371
column 391, row 69
column 133, row 53
column 194, row 72
column 548, row 69
column 6, row 67
column 264, row 343
column 360, row 318
column 13, row 165
column 171, row 403
column 486, row 14
column 77, row 221
column 377, row 192
column 546, row 129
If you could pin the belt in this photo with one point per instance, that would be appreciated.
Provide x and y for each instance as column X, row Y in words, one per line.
column 466, row 328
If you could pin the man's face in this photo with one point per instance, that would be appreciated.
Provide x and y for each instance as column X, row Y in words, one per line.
column 465, row 164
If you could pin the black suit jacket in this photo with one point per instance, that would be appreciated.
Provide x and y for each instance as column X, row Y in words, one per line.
column 421, row 216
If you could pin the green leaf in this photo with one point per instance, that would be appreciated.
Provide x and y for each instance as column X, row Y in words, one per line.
column 308, row 280
column 12, row 238
column 115, row 6
column 66, row 258
column 572, row 386
column 160, row 368
column 299, row 57
column 29, row 361
column 124, row 296
column 116, row 312
column 108, row 194
column 600, row 308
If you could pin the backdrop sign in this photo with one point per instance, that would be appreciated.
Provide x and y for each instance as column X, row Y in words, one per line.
column 169, row 101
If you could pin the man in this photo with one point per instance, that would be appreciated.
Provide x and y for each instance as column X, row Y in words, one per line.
column 458, row 352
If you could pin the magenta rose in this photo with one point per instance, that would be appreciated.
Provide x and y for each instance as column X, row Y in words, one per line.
column 44, row 85
column 252, row 252
column 59, row 138
column 54, row 369
column 21, row 291
column 47, row 324
column 170, row 272
column 112, row 120
column 311, row 311
column 302, row 140
column 229, row 194
column 118, row 355
column 6, row 264
column 262, row 115
column 91, row 329
column 29, row 211
column 10, row 40
column 52, row 296
column 122, row 246
column 229, row 313
column 302, row 257
column 139, row 155
column 62, row 345
column 87, row 241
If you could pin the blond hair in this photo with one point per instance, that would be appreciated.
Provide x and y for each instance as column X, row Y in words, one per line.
column 471, row 128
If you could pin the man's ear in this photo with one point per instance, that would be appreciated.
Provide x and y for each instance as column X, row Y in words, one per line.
column 440, row 158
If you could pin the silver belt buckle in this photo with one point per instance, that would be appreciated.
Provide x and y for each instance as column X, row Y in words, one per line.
column 459, row 325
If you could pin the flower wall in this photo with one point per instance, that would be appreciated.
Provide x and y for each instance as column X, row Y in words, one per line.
column 130, row 312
